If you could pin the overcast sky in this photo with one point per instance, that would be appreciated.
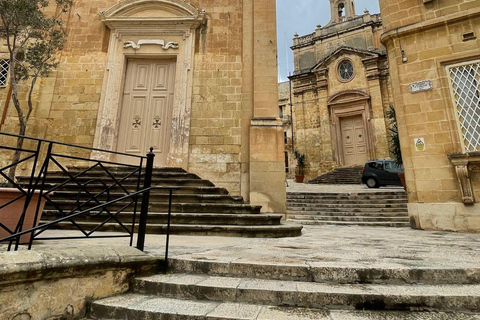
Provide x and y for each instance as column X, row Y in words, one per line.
column 302, row 16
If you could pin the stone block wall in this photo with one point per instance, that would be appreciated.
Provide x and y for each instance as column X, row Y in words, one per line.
column 431, row 36
column 216, row 128
column 58, row 283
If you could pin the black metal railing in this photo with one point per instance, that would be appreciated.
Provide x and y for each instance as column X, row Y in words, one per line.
column 116, row 188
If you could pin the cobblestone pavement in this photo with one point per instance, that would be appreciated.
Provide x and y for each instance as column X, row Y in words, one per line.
column 318, row 246
column 292, row 186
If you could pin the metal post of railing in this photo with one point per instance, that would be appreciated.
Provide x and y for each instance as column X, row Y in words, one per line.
column 167, row 244
column 43, row 171
column 142, row 225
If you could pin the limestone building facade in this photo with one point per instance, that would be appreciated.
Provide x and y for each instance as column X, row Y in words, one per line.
column 341, row 91
column 197, row 80
column 433, row 50
column 285, row 110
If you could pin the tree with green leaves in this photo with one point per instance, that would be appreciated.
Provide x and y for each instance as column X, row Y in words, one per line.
column 34, row 35
column 394, row 139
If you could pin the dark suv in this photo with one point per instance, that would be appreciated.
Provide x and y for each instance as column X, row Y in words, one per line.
column 381, row 172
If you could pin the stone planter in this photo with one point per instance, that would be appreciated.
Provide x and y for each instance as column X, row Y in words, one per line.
column 10, row 215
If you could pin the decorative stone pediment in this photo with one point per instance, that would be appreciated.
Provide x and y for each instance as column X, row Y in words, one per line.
column 364, row 54
column 347, row 97
column 152, row 13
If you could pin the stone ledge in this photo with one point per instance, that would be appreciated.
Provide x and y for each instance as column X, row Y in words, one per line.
column 30, row 266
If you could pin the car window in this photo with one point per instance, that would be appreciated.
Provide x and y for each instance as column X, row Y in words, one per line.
column 376, row 165
column 389, row 165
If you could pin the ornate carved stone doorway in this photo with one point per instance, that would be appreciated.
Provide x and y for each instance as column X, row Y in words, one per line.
column 351, row 133
column 149, row 29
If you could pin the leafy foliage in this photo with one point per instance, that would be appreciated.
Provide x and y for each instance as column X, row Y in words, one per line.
column 301, row 161
column 394, row 140
column 34, row 32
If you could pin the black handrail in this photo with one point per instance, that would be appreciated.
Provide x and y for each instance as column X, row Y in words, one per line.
column 38, row 184
column 141, row 235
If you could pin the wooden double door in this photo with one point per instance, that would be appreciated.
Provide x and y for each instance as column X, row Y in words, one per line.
column 146, row 113
column 354, row 140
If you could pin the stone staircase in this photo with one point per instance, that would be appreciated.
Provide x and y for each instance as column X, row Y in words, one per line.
column 385, row 209
column 350, row 175
column 203, row 289
column 198, row 206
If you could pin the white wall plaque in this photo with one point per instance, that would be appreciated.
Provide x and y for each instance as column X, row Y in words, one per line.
column 136, row 46
column 420, row 86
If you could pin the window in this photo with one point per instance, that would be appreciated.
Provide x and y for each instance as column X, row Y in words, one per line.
column 3, row 72
column 345, row 70
column 341, row 11
column 465, row 86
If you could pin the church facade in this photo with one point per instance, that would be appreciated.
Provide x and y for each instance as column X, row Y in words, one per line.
column 196, row 80
column 341, row 91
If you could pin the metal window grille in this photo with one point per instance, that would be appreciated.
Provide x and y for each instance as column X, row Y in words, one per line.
column 465, row 81
column 4, row 63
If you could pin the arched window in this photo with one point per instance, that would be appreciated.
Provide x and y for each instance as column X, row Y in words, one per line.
column 341, row 11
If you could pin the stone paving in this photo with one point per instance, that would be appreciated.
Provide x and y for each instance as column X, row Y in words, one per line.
column 318, row 246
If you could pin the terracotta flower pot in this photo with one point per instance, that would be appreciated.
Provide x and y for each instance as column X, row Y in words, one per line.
column 299, row 179
column 10, row 215
column 402, row 179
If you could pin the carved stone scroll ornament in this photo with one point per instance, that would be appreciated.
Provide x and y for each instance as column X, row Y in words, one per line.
column 461, row 167
column 136, row 46
column 465, row 184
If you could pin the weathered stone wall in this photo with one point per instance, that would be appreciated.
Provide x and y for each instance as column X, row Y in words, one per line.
column 216, row 129
column 431, row 36
column 57, row 284
column 226, row 90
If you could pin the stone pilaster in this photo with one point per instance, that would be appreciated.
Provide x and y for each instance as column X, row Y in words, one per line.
column 267, row 165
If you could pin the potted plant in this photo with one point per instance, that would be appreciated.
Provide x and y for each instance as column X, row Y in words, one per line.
column 33, row 34
column 394, row 142
column 300, row 157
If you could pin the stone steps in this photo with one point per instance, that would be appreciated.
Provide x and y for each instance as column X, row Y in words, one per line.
column 185, row 218
column 351, row 175
column 326, row 272
column 386, row 209
column 198, row 206
column 294, row 202
column 204, row 289
column 357, row 196
column 313, row 214
column 371, row 218
column 159, row 197
column 139, row 307
column 226, row 208
column 72, row 188
column 393, row 224
column 312, row 206
column 258, row 230
column 448, row 297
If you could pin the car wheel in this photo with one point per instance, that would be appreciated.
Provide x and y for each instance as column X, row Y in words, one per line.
column 372, row 183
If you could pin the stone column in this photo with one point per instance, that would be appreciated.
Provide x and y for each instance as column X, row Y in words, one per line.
column 267, row 162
